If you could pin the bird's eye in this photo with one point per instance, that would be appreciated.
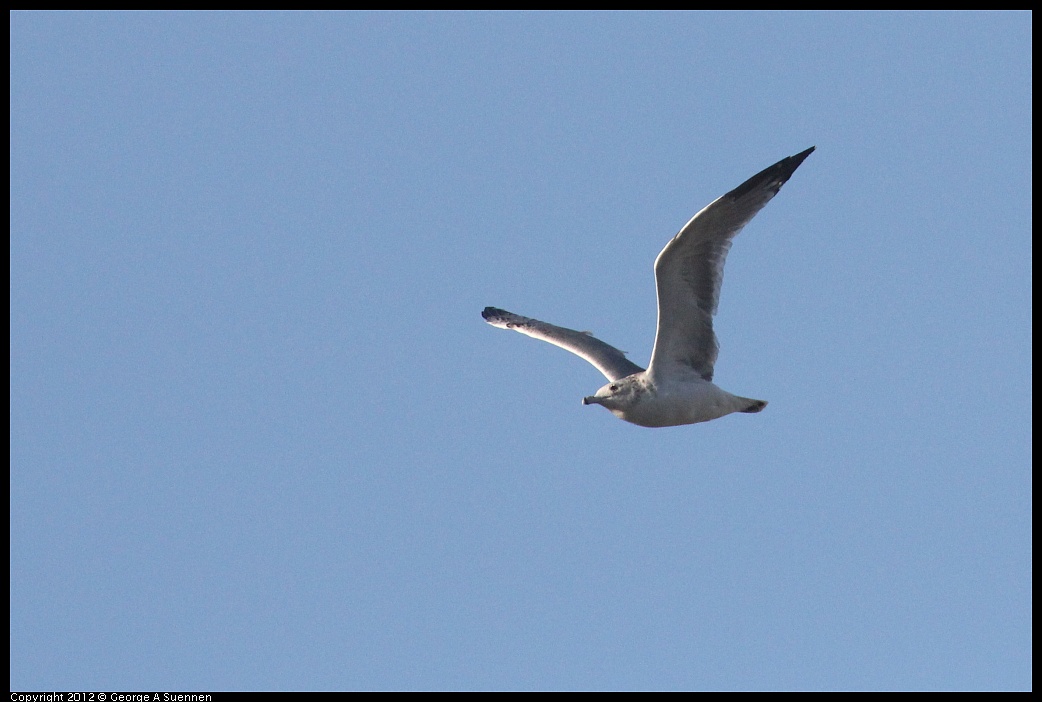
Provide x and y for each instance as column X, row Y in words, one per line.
column 613, row 387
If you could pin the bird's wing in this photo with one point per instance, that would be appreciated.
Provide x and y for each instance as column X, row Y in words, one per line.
column 690, row 269
column 607, row 359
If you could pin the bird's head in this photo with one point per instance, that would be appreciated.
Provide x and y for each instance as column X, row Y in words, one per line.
column 619, row 395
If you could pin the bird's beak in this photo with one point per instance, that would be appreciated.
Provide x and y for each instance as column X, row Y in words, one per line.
column 591, row 400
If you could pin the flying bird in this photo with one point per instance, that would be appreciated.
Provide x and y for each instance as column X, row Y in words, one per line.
column 677, row 387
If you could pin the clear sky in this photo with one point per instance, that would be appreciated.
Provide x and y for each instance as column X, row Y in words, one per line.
column 262, row 439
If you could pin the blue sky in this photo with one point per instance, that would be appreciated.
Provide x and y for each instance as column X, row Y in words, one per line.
column 261, row 438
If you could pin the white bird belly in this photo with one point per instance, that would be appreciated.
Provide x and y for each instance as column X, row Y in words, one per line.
column 687, row 402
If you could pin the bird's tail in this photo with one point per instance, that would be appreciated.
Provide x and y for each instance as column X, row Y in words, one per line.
column 752, row 405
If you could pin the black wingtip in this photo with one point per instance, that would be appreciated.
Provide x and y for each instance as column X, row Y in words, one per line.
column 799, row 158
column 787, row 166
column 772, row 177
column 490, row 313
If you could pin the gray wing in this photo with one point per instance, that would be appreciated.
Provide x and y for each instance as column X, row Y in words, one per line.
column 607, row 359
column 689, row 271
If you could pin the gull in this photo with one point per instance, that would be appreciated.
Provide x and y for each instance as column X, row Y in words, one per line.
column 677, row 388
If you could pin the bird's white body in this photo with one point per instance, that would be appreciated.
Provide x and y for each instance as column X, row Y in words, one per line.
column 686, row 398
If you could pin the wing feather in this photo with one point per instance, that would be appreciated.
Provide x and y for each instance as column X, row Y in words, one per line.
column 690, row 270
column 606, row 358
